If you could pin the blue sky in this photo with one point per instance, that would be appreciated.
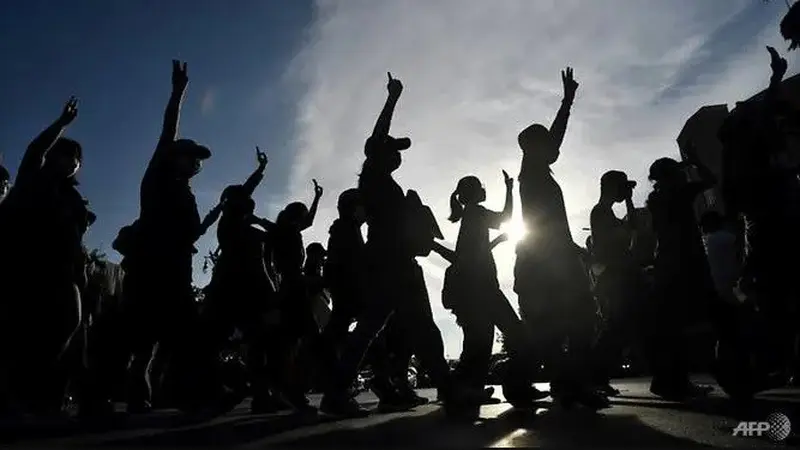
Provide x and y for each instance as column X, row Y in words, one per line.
column 116, row 57
column 305, row 81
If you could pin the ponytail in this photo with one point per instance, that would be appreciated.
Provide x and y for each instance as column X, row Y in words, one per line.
column 456, row 208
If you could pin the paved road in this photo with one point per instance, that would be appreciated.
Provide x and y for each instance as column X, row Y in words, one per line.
column 636, row 420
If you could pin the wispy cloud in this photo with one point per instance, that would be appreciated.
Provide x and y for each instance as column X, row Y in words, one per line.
column 209, row 101
column 476, row 72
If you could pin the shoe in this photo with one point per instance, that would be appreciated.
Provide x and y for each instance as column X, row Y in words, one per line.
column 608, row 390
column 680, row 393
column 588, row 398
column 300, row 403
column 342, row 406
column 267, row 404
column 140, row 407
column 95, row 409
column 462, row 396
column 523, row 396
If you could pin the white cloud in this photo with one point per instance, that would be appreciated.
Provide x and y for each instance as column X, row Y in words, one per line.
column 208, row 101
column 476, row 72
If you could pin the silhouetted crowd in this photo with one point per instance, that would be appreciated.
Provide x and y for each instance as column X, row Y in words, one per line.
column 75, row 327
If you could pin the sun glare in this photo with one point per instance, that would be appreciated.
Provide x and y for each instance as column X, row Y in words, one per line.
column 515, row 229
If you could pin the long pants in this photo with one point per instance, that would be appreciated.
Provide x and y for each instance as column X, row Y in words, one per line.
column 395, row 290
column 560, row 312
column 478, row 322
column 162, row 310
column 334, row 339
column 39, row 331
column 622, row 294
column 251, row 318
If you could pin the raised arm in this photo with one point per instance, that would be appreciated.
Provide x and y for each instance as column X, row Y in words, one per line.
column 508, row 207
column 382, row 126
column 495, row 219
column 444, row 252
column 559, row 127
column 34, row 156
column 169, row 131
column 210, row 219
column 498, row 240
column 312, row 212
column 255, row 178
column 779, row 67
column 263, row 223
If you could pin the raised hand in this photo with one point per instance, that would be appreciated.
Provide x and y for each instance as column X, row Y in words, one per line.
column 261, row 157
column 317, row 189
column 570, row 85
column 508, row 180
column 394, row 86
column 180, row 76
column 777, row 63
column 69, row 113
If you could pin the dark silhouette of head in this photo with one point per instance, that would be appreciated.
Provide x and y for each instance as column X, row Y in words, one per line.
column 315, row 257
column 469, row 191
column 666, row 172
column 64, row 158
column 350, row 206
column 615, row 186
column 385, row 153
column 293, row 215
column 236, row 201
column 538, row 148
column 187, row 157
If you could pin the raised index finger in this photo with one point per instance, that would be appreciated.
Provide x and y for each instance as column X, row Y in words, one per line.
column 389, row 74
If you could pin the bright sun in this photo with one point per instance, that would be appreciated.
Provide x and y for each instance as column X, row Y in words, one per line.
column 515, row 229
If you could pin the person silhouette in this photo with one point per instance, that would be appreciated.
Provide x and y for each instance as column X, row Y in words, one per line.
column 620, row 287
column 241, row 293
column 478, row 302
column 684, row 290
column 395, row 281
column 553, row 288
column 45, row 214
column 297, row 318
column 160, row 299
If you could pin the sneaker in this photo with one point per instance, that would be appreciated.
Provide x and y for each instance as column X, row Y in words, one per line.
column 608, row 390
column 268, row 404
column 342, row 406
column 680, row 393
column 462, row 396
column 139, row 407
column 588, row 398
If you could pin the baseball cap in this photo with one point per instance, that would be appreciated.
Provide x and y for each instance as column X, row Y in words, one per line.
column 390, row 143
column 616, row 178
column 191, row 148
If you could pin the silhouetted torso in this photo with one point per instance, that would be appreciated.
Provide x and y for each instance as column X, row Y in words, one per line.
column 679, row 239
column 169, row 220
column 288, row 250
column 345, row 264
column 385, row 207
column 473, row 251
column 242, row 248
column 544, row 212
column 610, row 237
